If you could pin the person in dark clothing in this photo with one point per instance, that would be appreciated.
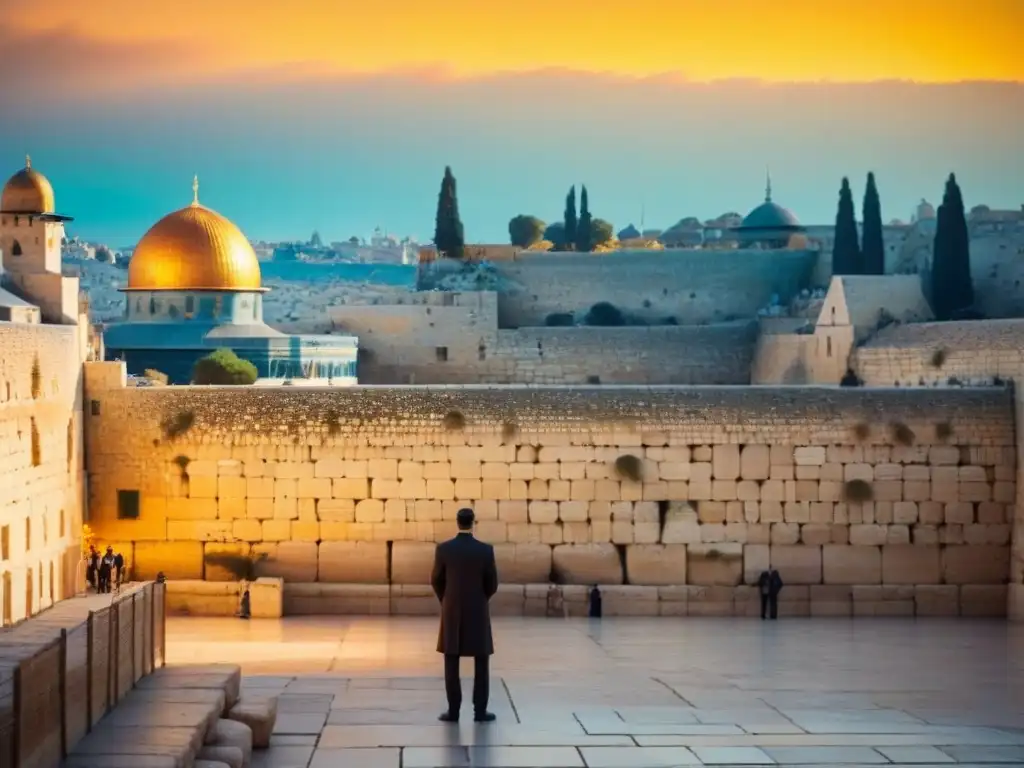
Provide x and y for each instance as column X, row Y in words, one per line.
column 92, row 566
column 244, row 606
column 106, row 570
column 119, row 569
column 769, row 585
column 464, row 578
column 595, row 603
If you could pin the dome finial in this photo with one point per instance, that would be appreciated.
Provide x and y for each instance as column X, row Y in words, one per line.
column 195, row 190
column 28, row 162
column 767, row 184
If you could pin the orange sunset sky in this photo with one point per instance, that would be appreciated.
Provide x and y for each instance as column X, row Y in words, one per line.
column 777, row 40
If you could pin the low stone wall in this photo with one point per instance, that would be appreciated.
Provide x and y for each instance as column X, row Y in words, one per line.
column 200, row 598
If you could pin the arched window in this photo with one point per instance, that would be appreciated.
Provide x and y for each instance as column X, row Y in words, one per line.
column 16, row 249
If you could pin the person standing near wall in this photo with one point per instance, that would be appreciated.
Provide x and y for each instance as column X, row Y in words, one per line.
column 770, row 585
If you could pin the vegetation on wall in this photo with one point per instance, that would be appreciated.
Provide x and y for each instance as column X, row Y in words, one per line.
column 449, row 237
column 333, row 423
column 902, row 434
column 454, row 421
column 178, row 424
column 629, row 467
column 952, row 291
column 241, row 566
column 858, row 491
column 861, row 431
column 223, row 366
column 559, row 320
column 605, row 315
column 182, row 461
column 37, row 379
column 938, row 358
column 943, row 430
column 525, row 231
column 509, row 431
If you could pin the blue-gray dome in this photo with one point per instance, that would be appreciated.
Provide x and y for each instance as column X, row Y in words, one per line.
column 769, row 215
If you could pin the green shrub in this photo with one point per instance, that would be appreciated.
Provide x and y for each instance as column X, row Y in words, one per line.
column 454, row 421
column 938, row 358
column 559, row 320
column 943, row 430
column 902, row 434
column 223, row 366
column 178, row 424
column 629, row 467
column 604, row 314
column 858, row 491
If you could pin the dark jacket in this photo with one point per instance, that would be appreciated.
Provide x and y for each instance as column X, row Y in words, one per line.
column 465, row 577
column 770, row 583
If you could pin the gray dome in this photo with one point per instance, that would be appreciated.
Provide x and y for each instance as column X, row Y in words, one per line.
column 769, row 215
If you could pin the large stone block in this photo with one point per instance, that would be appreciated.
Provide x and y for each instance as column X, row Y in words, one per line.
column 682, row 524
column 353, row 562
column 523, row 563
column 756, row 559
column 965, row 564
column 587, row 564
column 983, row 600
column 219, row 561
column 715, row 565
column 411, row 562
column 725, row 462
column 267, row 598
column 175, row 559
column 656, row 564
column 337, row 599
column 797, row 563
column 937, row 600
column 755, row 462
column 910, row 564
column 842, row 564
column 288, row 560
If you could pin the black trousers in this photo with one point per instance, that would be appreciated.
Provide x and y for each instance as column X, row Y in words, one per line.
column 770, row 603
column 481, row 683
column 104, row 581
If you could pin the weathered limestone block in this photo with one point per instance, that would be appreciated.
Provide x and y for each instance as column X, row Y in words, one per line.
column 523, row 563
column 795, row 600
column 337, row 599
column 725, row 462
column 809, row 456
column 983, row 600
column 509, row 600
column 233, row 757
column 656, row 564
column 1015, row 602
column 797, row 563
column 682, row 524
column 937, row 600
column 413, row 600
column 260, row 715
column 202, row 598
column 266, row 596
column 288, row 560
column 883, row 601
column 709, row 601
column 975, row 564
column 715, row 565
column 672, row 601
column 830, row 600
column 214, row 572
column 231, row 733
column 756, row 559
column 755, row 462
column 628, row 601
column 587, row 564
column 842, row 564
column 910, row 564
column 411, row 562
column 353, row 562
column 175, row 559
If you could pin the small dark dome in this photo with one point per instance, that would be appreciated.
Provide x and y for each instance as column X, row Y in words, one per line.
column 769, row 215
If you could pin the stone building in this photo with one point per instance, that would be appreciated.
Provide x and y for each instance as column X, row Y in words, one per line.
column 194, row 286
column 769, row 225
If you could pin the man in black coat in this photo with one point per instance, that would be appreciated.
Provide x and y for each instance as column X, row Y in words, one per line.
column 465, row 578
column 769, row 585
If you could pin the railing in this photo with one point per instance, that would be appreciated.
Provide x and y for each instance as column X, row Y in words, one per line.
column 52, row 698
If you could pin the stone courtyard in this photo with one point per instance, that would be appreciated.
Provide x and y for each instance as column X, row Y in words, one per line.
column 632, row 693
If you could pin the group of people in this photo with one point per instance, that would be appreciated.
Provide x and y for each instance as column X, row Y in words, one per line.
column 104, row 572
column 465, row 578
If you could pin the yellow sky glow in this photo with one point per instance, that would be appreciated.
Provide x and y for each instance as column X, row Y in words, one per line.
column 780, row 40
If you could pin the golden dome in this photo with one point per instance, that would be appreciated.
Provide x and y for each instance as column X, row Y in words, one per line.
column 27, row 191
column 194, row 249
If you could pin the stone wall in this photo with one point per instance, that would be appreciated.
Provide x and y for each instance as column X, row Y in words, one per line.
column 675, row 497
column 41, row 466
column 453, row 338
column 691, row 286
column 931, row 354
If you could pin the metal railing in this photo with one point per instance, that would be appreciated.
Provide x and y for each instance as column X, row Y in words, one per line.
column 52, row 698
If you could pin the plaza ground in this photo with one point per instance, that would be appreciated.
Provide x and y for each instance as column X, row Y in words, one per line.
column 632, row 693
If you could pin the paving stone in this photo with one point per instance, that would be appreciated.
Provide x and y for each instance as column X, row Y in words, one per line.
column 387, row 757
column 732, row 756
column 916, row 755
column 305, row 723
column 986, row 754
column 638, row 757
column 825, row 755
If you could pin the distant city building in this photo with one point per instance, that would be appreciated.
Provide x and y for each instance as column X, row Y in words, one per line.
column 194, row 286
column 769, row 225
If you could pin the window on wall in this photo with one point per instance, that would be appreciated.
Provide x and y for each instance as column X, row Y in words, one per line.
column 127, row 505
column 5, row 543
column 442, row 354
column 828, row 346
column 94, row 407
column 16, row 248
column 63, row 524
column 190, row 305
column 37, row 453
column 28, row 533
column 8, row 617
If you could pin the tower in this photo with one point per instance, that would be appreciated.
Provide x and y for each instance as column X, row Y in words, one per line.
column 30, row 229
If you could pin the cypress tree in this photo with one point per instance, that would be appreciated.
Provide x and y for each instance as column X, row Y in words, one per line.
column 448, row 233
column 846, row 259
column 570, row 218
column 873, row 253
column 583, row 233
column 952, row 288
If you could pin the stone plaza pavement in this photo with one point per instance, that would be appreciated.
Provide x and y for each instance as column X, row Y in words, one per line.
column 632, row 693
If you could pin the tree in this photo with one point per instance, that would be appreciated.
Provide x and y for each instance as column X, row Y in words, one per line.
column 448, row 234
column 584, row 237
column 223, row 366
column 570, row 222
column 103, row 255
column 555, row 233
column 952, row 289
column 846, row 258
column 525, row 230
column 600, row 231
column 872, row 245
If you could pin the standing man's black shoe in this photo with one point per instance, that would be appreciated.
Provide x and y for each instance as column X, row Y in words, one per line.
column 484, row 717
column 448, row 717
